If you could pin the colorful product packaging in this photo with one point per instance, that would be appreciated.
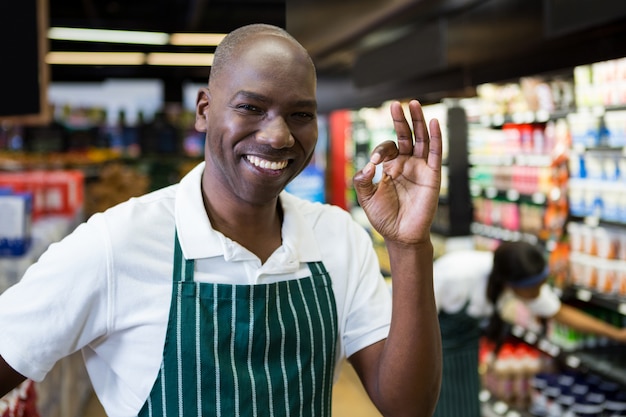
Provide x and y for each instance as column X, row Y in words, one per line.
column 15, row 223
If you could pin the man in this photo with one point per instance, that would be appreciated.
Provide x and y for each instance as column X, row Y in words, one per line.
column 267, row 293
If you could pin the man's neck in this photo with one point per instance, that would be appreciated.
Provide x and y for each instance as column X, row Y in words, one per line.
column 257, row 228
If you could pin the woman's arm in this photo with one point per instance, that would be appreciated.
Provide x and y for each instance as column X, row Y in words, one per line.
column 584, row 322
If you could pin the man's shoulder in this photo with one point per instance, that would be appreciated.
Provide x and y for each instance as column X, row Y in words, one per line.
column 151, row 207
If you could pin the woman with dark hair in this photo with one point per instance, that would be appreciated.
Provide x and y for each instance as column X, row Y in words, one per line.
column 519, row 271
column 473, row 286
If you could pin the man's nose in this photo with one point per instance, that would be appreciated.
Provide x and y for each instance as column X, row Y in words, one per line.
column 276, row 133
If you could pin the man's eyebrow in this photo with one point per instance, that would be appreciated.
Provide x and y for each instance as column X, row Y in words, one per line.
column 251, row 95
column 262, row 98
column 306, row 103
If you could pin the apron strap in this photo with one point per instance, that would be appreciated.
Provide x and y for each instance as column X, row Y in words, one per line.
column 183, row 268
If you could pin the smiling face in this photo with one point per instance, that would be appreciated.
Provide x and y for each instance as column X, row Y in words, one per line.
column 260, row 121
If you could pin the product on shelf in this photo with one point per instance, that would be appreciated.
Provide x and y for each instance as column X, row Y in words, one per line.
column 115, row 184
column 598, row 258
column 21, row 402
column 54, row 192
column 15, row 222
column 568, row 394
column 508, row 373
column 581, row 221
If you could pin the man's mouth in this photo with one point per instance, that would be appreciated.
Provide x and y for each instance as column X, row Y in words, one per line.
column 265, row 164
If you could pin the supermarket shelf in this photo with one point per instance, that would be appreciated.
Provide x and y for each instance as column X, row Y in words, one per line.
column 534, row 160
column 492, row 407
column 511, row 194
column 596, row 221
column 501, row 233
column 541, row 116
column 607, row 361
column 611, row 302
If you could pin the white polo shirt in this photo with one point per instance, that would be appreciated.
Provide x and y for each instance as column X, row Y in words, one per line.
column 105, row 289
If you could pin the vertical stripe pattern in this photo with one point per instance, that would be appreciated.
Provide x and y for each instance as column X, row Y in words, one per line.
column 238, row 350
column 460, row 382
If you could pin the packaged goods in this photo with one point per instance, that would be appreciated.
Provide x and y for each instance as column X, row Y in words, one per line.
column 53, row 192
column 15, row 223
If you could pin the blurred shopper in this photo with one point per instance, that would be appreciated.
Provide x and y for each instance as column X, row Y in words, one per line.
column 468, row 285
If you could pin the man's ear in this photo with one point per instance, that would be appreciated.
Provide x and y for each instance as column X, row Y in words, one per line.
column 202, row 107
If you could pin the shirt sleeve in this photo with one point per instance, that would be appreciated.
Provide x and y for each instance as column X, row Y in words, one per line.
column 58, row 306
column 364, row 299
column 546, row 305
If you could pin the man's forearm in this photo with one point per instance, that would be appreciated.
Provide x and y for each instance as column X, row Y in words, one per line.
column 9, row 379
column 410, row 366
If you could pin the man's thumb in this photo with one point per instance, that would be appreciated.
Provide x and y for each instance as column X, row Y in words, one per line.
column 363, row 184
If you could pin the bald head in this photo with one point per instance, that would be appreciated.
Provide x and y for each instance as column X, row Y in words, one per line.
column 230, row 48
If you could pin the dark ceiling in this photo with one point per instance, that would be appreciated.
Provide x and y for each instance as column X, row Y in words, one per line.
column 368, row 51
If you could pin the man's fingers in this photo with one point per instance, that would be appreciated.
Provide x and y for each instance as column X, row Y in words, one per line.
column 384, row 151
column 435, row 153
column 402, row 128
column 422, row 141
column 363, row 184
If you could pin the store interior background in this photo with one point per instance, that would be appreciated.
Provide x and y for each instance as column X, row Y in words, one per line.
column 453, row 55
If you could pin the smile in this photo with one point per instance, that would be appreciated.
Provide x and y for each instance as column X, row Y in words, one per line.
column 265, row 164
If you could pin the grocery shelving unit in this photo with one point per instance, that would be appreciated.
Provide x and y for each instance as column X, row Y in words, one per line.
column 454, row 214
column 595, row 160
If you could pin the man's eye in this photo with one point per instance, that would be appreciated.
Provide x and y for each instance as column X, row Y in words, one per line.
column 304, row 116
column 249, row 107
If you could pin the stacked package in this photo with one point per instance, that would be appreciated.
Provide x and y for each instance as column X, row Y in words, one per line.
column 21, row 402
column 15, row 222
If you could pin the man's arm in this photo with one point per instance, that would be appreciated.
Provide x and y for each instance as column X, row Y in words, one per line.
column 9, row 378
column 402, row 374
column 406, row 378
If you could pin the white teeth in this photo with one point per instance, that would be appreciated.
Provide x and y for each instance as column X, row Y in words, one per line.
column 263, row 163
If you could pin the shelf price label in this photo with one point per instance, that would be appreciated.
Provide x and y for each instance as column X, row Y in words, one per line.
column 544, row 345
column 500, row 407
column 549, row 348
column 512, row 195
column 538, row 198
column 530, row 338
column 572, row 361
column 517, row 330
column 491, row 192
column 583, row 295
column 542, row 115
column 497, row 119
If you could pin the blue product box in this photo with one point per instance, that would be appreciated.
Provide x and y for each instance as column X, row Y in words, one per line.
column 15, row 223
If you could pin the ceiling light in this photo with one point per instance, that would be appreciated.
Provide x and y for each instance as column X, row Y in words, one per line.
column 183, row 59
column 113, row 36
column 95, row 58
column 196, row 39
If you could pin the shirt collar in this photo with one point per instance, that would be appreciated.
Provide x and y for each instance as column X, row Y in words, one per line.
column 199, row 240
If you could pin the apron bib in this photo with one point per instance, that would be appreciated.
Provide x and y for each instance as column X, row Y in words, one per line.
column 246, row 350
column 460, row 381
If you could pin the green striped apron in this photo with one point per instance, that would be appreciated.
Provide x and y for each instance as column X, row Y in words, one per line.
column 240, row 350
column 460, row 383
